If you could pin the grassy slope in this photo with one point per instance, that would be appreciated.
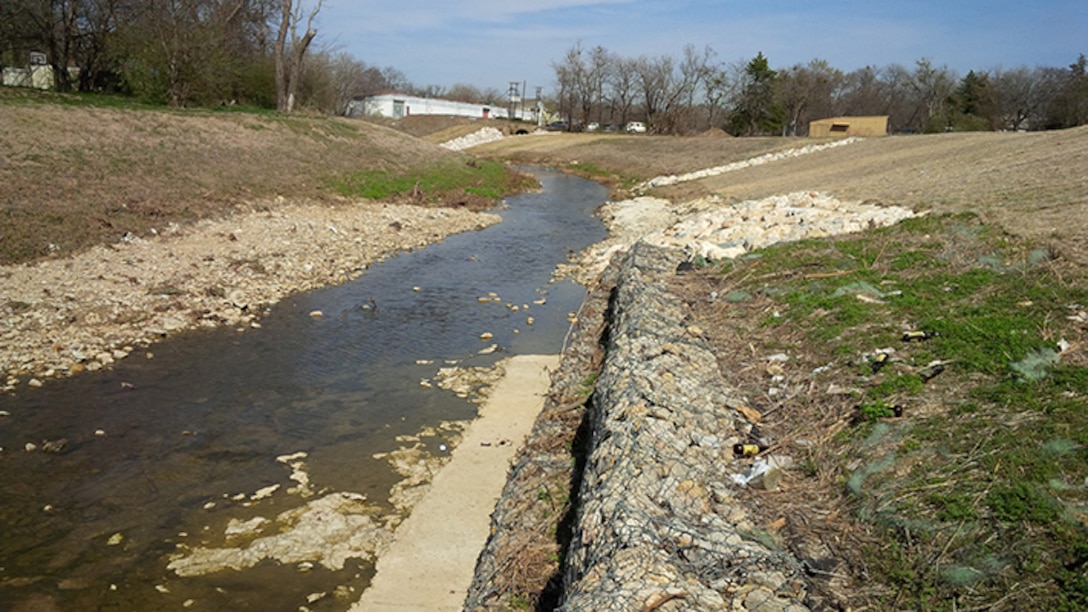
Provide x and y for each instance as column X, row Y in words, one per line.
column 966, row 487
column 76, row 173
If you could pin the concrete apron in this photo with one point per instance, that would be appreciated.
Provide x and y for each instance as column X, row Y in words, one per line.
column 430, row 564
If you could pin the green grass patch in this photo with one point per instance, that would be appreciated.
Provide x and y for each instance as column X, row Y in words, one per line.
column 490, row 180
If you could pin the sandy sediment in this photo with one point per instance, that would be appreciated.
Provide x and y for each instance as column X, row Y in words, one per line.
column 63, row 316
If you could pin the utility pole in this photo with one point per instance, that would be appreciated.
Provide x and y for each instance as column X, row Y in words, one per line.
column 515, row 97
column 539, row 106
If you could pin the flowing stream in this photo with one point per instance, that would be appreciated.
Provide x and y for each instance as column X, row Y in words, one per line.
column 167, row 451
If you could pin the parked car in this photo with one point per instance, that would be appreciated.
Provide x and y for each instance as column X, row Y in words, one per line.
column 593, row 127
column 556, row 126
column 635, row 127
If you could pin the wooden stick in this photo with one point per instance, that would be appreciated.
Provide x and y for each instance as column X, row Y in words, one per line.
column 829, row 274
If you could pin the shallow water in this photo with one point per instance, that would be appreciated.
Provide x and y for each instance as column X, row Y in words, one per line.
column 207, row 417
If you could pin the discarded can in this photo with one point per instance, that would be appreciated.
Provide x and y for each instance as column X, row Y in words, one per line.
column 930, row 372
column 919, row 336
column 879, row 361
column 897, row 410
column 746, row 450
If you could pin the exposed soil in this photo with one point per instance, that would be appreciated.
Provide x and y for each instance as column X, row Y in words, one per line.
column 621, row 160
column 437, row 129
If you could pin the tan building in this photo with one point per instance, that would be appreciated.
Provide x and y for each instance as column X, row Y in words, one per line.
column 842, row 127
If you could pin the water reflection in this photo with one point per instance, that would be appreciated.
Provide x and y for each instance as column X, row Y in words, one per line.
column 91, row 527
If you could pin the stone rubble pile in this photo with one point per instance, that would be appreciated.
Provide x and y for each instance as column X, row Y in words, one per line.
column 672, row 179
column 657, row 518
column 479, row 137
column 725, row 232
column 61, row 317
column 712, row 229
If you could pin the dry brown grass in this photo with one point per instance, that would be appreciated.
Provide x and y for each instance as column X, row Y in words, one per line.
column 75, row 176
column 438, row 129
column 1034, row 185
column 623, row 159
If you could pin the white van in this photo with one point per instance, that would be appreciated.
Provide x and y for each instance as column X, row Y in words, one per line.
column 636, row 127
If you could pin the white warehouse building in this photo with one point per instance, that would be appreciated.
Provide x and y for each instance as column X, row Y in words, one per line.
column 397, row 106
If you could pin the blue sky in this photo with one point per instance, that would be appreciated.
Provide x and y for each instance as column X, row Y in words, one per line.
column 488, row 43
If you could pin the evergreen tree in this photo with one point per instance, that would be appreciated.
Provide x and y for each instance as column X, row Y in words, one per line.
column 757, row 111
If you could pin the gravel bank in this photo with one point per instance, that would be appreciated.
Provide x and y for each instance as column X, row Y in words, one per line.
column 713, row 229
column 61, row 317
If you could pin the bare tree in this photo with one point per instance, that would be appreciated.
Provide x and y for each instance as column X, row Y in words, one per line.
column 621, row 88
column 72, row 34
column 396, row 80
column 1068, row 106
column 805, row 92
column 931, row 89
column 723, row 84
column 1020, row 96
column 655, row 76
column 464, row 92
column 491, row 95
column 289, row 58
column 683, row 102
column 878, row 91
column 598, row 71
column 569, row 77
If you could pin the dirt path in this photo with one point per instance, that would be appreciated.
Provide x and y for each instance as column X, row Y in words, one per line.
column 430, row 563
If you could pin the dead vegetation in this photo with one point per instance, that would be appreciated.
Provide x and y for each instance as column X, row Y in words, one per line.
column 74, row 175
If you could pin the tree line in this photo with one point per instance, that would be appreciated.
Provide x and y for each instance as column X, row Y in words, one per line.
column 258, row 52
column 190, row 53
column 182, row 52
column 696, row 92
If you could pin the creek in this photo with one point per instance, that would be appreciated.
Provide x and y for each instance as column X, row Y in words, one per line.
column 167, row 451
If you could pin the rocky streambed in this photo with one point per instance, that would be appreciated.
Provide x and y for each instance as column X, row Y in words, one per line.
column 64, row 316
